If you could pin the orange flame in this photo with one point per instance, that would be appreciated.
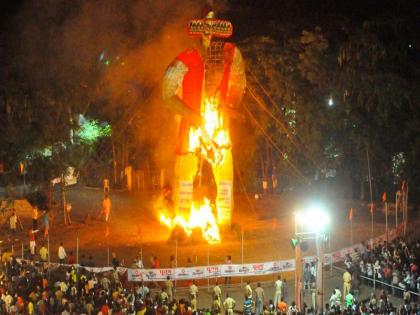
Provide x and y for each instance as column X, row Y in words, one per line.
column 200, row 217
column 212, row 139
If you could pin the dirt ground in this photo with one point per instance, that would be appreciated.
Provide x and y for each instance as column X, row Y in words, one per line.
column 133, row 229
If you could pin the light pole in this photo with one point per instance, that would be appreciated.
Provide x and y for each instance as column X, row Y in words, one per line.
column 311, row 224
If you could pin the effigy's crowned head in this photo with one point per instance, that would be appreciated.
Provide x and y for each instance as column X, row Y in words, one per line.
column 210, row 27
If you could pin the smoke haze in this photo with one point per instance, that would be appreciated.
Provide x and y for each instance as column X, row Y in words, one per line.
column 105, row 59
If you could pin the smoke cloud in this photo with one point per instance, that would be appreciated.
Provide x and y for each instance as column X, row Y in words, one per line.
column 106, row 59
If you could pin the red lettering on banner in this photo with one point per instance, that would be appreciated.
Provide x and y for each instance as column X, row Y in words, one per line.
column 258, row 267
column 213, row 269
column 165, row 272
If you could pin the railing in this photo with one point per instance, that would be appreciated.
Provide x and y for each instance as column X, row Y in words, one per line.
column 376, row 281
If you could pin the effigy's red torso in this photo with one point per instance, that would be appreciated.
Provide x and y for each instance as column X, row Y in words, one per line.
column 209, row 75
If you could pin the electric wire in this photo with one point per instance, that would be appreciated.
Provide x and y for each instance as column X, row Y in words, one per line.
column 270, row 140
column 280, row 123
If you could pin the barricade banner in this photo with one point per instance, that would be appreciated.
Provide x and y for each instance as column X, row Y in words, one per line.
column 227, row 270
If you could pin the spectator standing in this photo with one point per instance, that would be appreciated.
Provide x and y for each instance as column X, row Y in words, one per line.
column 292, row 309
column 355, row 284
column 282, row 306
column 217, row 292
column 71, row 260
column 278, row 288
column 338, row 295
column 164, row 297
column 248, row 303
column 43, row 253
column 229, row 305
column 259, row 299
column 32, row 243
column 313, row 297
column 193, row 291
column 169, row 288
column 387, row 275
column 349, row 299
column 248, row 290
column 313, row 272
column 62, row 255
column 216, row 307
column 106, row 207
column 143, row 290
column 115, row 261
column 139, row 263
column 156, row 263
column 284, row 290
column 333, row 300
column 346, row 282
column 306, row 277
column 13, row 222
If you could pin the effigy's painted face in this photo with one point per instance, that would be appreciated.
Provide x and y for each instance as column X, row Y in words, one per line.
column 207, row 35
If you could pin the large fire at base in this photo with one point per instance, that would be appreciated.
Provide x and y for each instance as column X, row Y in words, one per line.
column 200, row 217
column 210, row 142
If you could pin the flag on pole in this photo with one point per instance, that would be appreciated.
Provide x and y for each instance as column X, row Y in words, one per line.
column 384, row 197
column 371, row 207
column 351, row 214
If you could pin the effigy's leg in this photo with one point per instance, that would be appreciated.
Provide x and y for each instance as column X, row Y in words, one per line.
column 223, row 174
column 185, row 171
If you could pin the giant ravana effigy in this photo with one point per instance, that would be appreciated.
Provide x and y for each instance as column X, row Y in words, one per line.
column 204, row 85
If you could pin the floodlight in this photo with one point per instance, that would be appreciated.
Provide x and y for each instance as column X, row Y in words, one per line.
column 314, row 219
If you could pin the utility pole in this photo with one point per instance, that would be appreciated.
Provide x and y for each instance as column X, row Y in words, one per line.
column 371, row 197
column 320, row 273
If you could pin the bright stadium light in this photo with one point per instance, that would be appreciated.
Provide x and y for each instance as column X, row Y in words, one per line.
column 310, row 224
column 314, row 219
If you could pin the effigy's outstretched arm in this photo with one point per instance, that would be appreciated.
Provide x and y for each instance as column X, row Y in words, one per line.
column 172, row 83
column 180, row 108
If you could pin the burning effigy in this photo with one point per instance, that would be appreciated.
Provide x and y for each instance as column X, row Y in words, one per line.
column 204, row 85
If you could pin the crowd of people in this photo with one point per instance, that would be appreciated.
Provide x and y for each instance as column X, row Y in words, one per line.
column 392, row 267
column 27, row 287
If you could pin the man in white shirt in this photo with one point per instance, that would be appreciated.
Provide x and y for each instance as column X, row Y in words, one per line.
column 248, row 290
column 8, row 300
column 193, row 291
column 142, row 290
column 62, row 255
column 217, row 292
column 333, row 300
column 229, row 305
column 259, row 299
column 278, row 286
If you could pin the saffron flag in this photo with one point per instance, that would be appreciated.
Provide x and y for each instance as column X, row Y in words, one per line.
column 371, row 207
column 351, row 214
column 384, row 197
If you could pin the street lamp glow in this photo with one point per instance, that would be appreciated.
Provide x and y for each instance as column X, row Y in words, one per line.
column 314, row 219
column 330, row 101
